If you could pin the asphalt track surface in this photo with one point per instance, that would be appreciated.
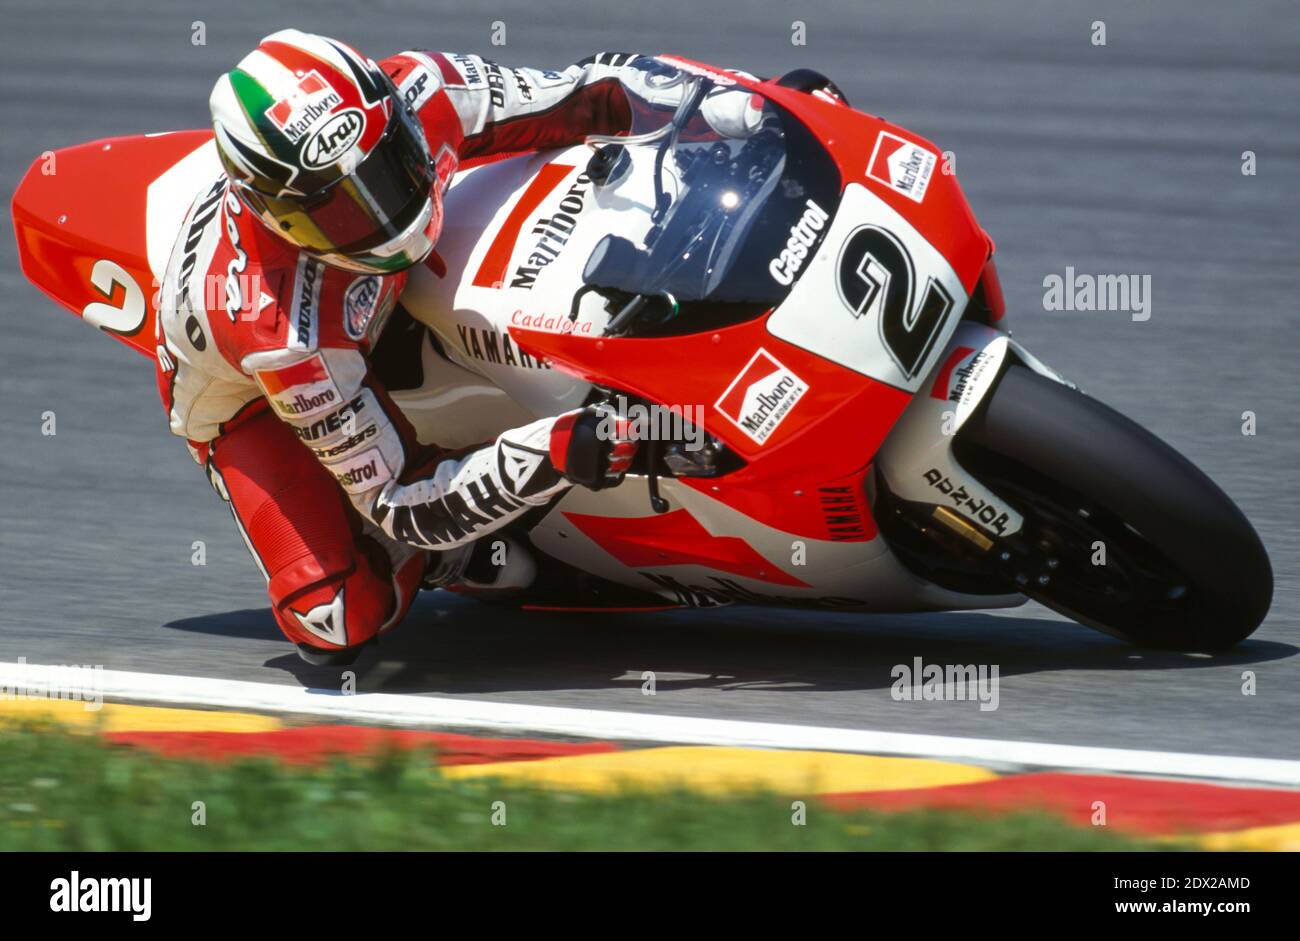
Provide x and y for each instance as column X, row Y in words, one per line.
column 1117, row 159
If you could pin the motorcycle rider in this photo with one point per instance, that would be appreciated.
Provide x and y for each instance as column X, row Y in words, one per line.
column 334, row 172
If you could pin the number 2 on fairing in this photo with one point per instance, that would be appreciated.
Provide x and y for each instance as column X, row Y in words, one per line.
column 876, row 275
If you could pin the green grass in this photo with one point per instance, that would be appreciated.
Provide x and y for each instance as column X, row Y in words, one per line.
column 72, row 792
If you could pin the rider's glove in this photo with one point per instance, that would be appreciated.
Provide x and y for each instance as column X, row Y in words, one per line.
column 592, row 446
column 733, row 112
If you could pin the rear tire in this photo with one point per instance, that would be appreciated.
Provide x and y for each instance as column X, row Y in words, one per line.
column 1183, row 569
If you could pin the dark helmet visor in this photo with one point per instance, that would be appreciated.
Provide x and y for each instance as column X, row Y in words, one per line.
column 376, row 202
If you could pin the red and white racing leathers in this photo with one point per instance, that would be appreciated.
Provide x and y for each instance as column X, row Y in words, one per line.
column 274, row 391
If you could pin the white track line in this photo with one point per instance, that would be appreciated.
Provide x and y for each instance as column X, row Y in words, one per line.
column 431, row 712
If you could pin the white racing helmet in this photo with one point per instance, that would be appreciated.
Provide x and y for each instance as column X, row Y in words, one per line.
column 317, row 142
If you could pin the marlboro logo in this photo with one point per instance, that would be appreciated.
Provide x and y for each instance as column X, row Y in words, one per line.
column 761, row 397
column 309, row 101
column 901, row 165
column 301, row 390
column 959, row 375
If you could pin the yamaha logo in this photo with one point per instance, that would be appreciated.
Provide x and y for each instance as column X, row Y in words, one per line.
column 335, row 138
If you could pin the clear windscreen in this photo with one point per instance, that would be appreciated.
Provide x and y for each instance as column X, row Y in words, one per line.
column 736, row 190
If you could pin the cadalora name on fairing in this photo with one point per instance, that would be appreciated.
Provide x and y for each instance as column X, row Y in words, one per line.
column 551, row 323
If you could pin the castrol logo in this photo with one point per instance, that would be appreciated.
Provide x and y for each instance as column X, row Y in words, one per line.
column 803, row 237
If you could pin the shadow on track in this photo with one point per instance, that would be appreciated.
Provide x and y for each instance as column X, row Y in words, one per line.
column 456, row 646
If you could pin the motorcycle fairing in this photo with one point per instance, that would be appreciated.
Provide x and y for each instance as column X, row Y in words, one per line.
column 698, row 369
column 917, row 460
column 834, row 572
column 94, row 229
column 470, row 306
column 857, row 389
column 126, row 200
column 905, row 289
column 943, row 217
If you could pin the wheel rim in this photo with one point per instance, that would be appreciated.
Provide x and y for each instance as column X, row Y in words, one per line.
column 1134, row 589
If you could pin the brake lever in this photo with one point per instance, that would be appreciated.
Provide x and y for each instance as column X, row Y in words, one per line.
column 657, row 503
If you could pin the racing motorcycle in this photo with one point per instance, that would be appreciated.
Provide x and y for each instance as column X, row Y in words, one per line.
column 805, row 317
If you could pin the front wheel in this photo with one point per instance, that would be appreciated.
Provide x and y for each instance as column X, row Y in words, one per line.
column 1122, row 533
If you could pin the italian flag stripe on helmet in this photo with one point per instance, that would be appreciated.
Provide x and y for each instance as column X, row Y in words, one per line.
column 255, row 101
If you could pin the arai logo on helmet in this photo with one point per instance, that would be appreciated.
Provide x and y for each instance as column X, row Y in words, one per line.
column 335, row 138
